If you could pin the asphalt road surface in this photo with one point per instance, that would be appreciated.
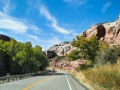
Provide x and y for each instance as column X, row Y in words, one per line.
column 59, row 80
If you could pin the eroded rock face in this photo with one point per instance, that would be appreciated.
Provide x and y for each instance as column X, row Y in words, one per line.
column 51, row 54
column 61, row 49
column 100, row 31
column 109, row 32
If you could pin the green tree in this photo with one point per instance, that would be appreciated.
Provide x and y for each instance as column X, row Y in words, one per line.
column 73, row 55
column 23, row 58
column 41, row 59
column 37, row 52
column 88, row 46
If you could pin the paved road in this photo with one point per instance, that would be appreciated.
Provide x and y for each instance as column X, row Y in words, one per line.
column 59, row 80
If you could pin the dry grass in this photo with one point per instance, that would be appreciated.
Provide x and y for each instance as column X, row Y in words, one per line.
column 82, row 79
column 106, row 77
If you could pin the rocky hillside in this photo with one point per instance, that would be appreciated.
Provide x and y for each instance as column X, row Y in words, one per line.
column 61, row 49
column 109, row 32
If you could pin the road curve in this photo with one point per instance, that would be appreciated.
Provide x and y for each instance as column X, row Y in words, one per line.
column 59, row 80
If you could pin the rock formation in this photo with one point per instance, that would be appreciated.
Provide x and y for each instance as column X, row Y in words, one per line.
column 61, row 49
column 109, row 32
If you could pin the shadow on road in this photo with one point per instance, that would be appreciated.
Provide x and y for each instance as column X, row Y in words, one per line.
column 51, row 73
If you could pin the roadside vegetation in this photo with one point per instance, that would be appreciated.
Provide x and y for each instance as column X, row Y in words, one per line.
column 102, row 70
column 106, row 77
column 22, row 57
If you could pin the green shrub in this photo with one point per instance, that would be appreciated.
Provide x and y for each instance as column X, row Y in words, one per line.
column 84, row 67
column 109, row 79
column 74, row 55
column 108, row 55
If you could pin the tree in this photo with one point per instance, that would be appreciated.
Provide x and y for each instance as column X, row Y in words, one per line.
column 4, row 59
column 37, row 52
column 44, row 62
column 22, row 57
column 74, row 55
column 26, row 58
column 88, row 46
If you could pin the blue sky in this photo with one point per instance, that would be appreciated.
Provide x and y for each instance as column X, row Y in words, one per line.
column 49, row 22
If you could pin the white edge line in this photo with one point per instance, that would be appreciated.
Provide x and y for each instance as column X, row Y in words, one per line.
column 68, row 82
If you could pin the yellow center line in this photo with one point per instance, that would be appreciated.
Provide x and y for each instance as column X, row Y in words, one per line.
column 36, row 83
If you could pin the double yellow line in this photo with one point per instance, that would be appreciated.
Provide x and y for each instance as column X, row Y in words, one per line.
column 36, row 83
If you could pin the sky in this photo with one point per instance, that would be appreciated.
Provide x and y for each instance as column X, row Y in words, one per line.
column 50, row 22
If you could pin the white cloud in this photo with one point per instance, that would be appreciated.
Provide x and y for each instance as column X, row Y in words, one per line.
column 54, row 40
column 32, row 4
column 35, row 29
column 7, row 6
column 12, row 23
column 35, row 38
column 60, row 29
column 7, row 22
column 15, row 24
column 54, row 24
column 46, row 44
column 75, row 2
column 50, row 41
column 44, row 11
column 106, row 6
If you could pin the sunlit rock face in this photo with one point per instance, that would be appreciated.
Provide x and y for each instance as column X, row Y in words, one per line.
column 109, row 32
column 62, row 49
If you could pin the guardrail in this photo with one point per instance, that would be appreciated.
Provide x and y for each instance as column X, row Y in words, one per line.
column 12, row 78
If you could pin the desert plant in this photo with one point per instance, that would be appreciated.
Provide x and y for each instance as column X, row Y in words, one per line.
column 108, row 55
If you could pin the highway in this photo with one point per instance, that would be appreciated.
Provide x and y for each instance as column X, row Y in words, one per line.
column 59, row 80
